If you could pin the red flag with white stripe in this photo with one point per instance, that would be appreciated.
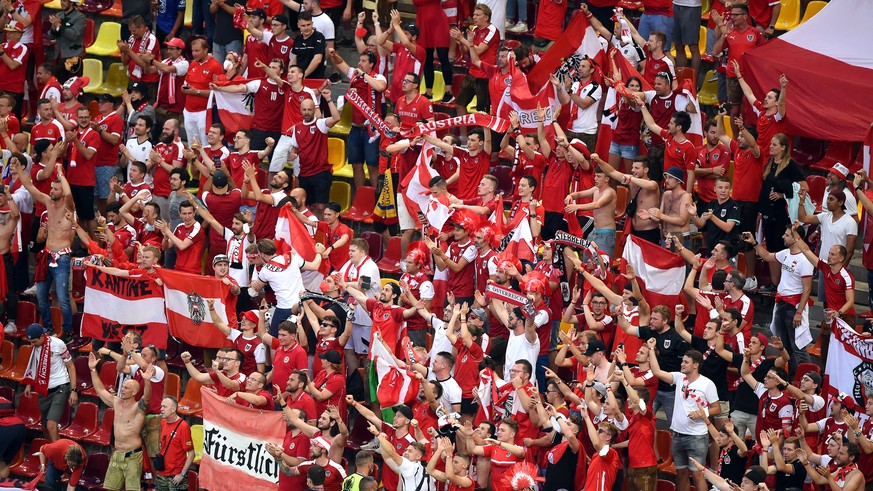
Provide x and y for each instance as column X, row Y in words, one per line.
column 689, row 94
column 396, row 385
column 416, row 189
column 521, row 245
column 187, row 310
column 232, row 111
column 659, row 272
column 846, row 370
column 113, row 303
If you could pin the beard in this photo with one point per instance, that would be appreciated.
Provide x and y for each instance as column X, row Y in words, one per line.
column 167, row 139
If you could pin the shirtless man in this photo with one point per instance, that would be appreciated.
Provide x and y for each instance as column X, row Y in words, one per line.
column 673, row 215
column 603, row 204
column 9, row 217
column 125, row 467
column 60, row 228
column 644, row 194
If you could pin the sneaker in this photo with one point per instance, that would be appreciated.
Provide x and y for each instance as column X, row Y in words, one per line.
column 373, row 445
column 509, row 24
column 10, row 328
column 428, row 96
column 30, row 292
column 520, row 27
column 751, row 284
column 771, row 288
column 754, row 284
column 448, row 98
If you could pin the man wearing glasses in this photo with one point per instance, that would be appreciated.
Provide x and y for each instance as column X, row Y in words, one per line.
column 738, row 36
column 226, row 375
column 278, row 41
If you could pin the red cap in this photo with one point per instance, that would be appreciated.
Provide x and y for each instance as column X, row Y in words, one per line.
column 176, row 43
column 251, row 315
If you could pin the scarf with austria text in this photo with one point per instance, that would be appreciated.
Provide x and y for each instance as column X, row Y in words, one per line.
column 493, row 123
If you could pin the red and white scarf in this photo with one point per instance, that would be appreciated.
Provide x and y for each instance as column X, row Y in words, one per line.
column 39, row 368
column 74, row 151
column 755, row 364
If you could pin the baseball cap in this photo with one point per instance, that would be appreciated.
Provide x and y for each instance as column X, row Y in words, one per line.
column 840, row 170
column 219, row 258
column 763, row 339
column 594, row 346
column 581, row 147
column 219, row 179
column 258, row 12
column 35, row 331
column 842, row 397
column 814, row 376
column 675, row 173
column 175, row 43
column 14, row 26
column 478, row 312
column 106, row 98
column 331, row 356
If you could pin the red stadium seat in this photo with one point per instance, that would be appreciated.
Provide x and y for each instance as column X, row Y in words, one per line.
column 808, row 151
column 663, row 443
column 172, row 385
column 108, row 375
column 191, row 403
column 95, row 471
column 16, row 371
column 841, row 152
column 620, row 203
column 103, row 435
column 90, row 32
column 84, row 423
column 193, row 481
column 390, row 262
column 28, row 411
column 26, row 316
column 503, row 173
column 29, row 466
column 374, row 240
column 7, row 393
column 83, row 373
column 6, row 356
column 664, row 485
column 362, row 206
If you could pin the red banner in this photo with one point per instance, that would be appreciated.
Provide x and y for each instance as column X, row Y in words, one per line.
column 498, row 125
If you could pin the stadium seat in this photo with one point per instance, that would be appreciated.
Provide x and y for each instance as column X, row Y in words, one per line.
column 341, row 192
column 26, row 315
column 336, row 153
column 701, row 45
column 108, row 375
column 7, row 393
column 191, row 403
column 54, row 5
column 374, row 240
column 193, row 481
column 28, row 411
column 503, row 173
column 841, row 152
column 16, row 371
column 511, row 43
column 115, row 9
column 808, row 151
column 728, row 129
column 369, row 5
column 29, row 465
column 620, row 203
column 89, row 32
column 344, row 126
column 104, row 45
column 390, row 262
column 663, row 443
column 683, row 73
column 708, row 94
column 812, row 8
column 7, row 356
column 83, row 373
column 172, row 385
column 439, row 86
column 103, row 435
column 116, row 80
column 789, row 16
column 363, row 205
column 665, row 485
column 197, row 440
column 95, row 471
column 84, row 422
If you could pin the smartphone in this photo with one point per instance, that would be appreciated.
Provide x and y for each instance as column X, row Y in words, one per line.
column 365, row 282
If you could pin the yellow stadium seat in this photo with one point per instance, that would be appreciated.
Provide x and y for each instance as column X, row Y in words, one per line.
column 812, row 8
column 93, row 69
column 701, row 45
column 197, row 441
column 348, row 173
column 708, row 94
column 341, row 192
column 385, row 281
column 439, row 86
column 104, row 45
column 116, row 80
column 471, row 107
column 336, row 153
column 344, row 125
column 789, row 16
column 189, row 14
column 728, row 129
column 54, row 4
column 370, row 5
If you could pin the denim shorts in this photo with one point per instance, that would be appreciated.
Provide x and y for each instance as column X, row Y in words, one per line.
column 685, row 446
column 359, row 150
column 629, row 152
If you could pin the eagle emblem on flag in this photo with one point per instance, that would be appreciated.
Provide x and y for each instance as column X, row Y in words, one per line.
column 196, row 308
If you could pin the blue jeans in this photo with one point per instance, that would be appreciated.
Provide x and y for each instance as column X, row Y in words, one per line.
column 783, row 320
column 870, row 293
column 53, row 476
column 540, row 370
column 517, row 9
column 665, row 399
column 200, row 15
column 653, row 22
column 605, row 239
column 279, row 316
column 60, row 275
column 359, row 148
column 220, row 51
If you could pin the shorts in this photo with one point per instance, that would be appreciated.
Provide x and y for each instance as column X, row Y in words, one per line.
column 605, row 239
column 151, row 433
column 165, row 483
column 469, row 406
column 124, row 471
column 104, row 174
column 470, row 87
column 83, row 197
column 642, row 478
column 734, row 91
column 748, row 216
column 685, row 446
column 629, row 152
column 52, row 406
column 317, row 187
column 686, row 25
column 11, row 439
column 360, row 341
column 359, row 148
column 725, row 410
column 404, row 218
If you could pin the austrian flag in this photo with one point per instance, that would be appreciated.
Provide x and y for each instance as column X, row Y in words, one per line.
column 396, row 385
column 188, row 315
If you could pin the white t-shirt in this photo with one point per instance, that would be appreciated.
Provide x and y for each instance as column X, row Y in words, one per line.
column 835, row 232
column 286, row 282
column 324, row 25
column 688, row 395
column 795, row 267
column 352, row 273
column 260, row 349
column 451, row 390
column 631, row 51
column 586, row 119
column 140, row 152
column 58, row 374
column 413, row 476
column 851, row 204
column 519, row 348
column 237, row 249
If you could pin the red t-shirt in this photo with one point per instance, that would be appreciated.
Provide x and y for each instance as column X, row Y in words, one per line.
column 404, row 62
column 13, row 127
column 280, row 49
column 641, row 434
column 335, row 382
column 390, row 479
column 292, row 115
column 51, row 131
column 497, row 83
column 256, row 50
column 13, row 80
column 175, row 451
column 413, row 111
column 294, row 446
column 107, row 153
column 768, row 126
column 467, row 367
column 486, row 35
column 340, row 255
column 189, row 259
column 762, row 12
column 170, row 153
column 305, row 403
column 199, row 76
column 333, row 474
column 836, row 286
column 463, row 282
column 82, row 174
column 501, row 461
column 550, row 19
column 747, row 174
column 223, row 391
column 387, row 319
column 269, row 101
column 707, row 159
column 266, row 406
column 679, row 154
column 222, row 207
column 473, row 168
column 602, row 471
column 738, row 42
column 286, row 360
column 147, row 44
column 557, row 186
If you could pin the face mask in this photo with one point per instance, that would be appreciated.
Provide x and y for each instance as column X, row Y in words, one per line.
column 325, row 287
column 228, row 65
